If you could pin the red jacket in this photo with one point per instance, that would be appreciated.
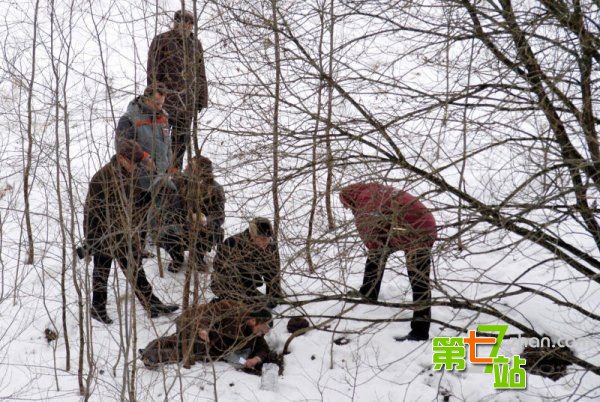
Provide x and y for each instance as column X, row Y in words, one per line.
column 385, row 215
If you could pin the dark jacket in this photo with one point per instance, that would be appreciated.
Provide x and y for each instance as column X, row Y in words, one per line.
column 172, row 218
column 114, row 212
column 240, row 268
column 388, row 217
column 205, row 196
column 225, row 322
column 177, row 60
column 148, row 129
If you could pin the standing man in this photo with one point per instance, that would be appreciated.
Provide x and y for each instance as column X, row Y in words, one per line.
column 143, row 133
column 389, row 220
column 246, row 261
column 114, row 215
column 118, row 199
column 176, row 59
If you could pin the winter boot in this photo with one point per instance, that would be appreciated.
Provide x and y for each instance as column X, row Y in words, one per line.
column 412, row 336
column 99, row 314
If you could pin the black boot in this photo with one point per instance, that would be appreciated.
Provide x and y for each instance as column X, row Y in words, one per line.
column 100, row 315
column 177, row 258
column 412, row 336
column 161, row 309
column 102, row 267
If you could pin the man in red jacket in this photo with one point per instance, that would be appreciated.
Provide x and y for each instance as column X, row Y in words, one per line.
column 389, row 220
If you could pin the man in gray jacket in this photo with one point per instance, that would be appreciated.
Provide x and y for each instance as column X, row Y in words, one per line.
column 143, row 131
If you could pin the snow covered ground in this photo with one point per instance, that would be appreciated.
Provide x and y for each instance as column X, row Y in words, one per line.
column 371, row 367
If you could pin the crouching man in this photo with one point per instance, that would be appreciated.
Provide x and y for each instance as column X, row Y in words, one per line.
column 192, row 217
column 245, row 262
column 225, row 330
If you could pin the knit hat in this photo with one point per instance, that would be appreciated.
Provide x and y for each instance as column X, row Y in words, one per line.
column 260, row 226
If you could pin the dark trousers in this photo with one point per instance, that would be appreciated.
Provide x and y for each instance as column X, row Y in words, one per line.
column 418, row 263
column 181, row 128
column 141, row 286
column 176, row 245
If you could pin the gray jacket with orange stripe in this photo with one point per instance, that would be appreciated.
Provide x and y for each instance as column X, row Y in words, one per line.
column 143, row 133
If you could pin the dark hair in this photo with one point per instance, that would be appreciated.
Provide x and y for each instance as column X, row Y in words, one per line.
column 348, row 197
column 157, row 87
column 261, row 227
column 261, row 315
column 184, row 16
column 200, row 165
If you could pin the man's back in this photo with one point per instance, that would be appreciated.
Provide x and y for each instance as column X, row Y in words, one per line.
column 386, row 215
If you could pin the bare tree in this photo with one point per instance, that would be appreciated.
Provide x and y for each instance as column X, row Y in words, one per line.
column 525, row 105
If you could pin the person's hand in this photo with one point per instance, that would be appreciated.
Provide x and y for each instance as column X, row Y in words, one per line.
column 147, row 161
column 125, row 163
column 203, row 334
column 251, row 363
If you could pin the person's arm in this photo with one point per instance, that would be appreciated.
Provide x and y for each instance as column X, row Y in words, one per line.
column 260, row 352
column 152, row 66
column 127, row 147
column 220, row 282
column 125, row 130
column 201, row 82
column 272, row 274
column 222, row 258
column 94, row 211
column 216, row 214
column 172, row 169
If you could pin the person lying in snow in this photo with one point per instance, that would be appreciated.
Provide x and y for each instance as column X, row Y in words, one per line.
column 225, row 330
column 390, row 220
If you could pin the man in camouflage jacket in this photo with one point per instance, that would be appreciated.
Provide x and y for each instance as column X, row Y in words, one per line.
column 246, row 261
